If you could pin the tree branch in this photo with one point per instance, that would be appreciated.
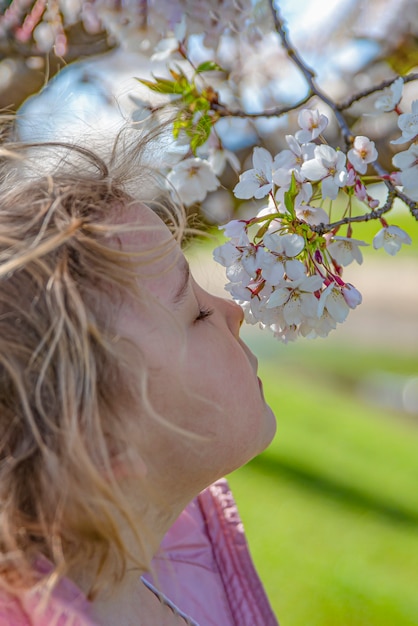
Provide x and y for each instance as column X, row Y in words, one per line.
column 367, row 92
column 223, row 111
column 372, row 215
column 309, row 75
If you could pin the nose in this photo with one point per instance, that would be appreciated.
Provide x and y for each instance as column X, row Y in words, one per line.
column 234, row 316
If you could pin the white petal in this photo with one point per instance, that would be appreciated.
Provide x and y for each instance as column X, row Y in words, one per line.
column 292, row 244
column 292, row 310
column 311, row 283
column 226, row 254
column 262, row 191
column 295, row 269
column 336, row 305
column 278, row 298
column 262, row 160
column 246, row 187
column 329, row 188
column 274, row 242
column 313, row 170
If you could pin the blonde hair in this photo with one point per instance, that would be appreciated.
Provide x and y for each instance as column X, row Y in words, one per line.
column 65, row 387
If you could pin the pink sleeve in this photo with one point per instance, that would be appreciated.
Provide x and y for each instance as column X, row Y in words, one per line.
column 11, row 613
column 246, row 596
column 66, row 606
column 204, row 565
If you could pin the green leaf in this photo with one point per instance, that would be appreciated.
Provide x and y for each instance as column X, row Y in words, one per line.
column 184, row 122
column 262, row 230
column 199, row 104
column 209, row 66
column 201, row 132
column 289, row 197
column 163, row 85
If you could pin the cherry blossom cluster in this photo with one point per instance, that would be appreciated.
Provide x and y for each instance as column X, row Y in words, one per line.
column 285, row 265
column 136, row 24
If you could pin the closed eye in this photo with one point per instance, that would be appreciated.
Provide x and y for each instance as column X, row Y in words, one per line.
column 204, row 314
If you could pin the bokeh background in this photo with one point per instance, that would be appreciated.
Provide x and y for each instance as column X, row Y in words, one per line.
column 331, row 508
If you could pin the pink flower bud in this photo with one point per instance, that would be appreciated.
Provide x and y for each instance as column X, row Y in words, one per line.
column 373, row 204
column 395, row 178
column 318, row 256
column 351, row 295
column 360, row 190
column 351, row 176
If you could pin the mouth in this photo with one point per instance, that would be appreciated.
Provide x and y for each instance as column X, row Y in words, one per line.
column 260, row 384
column 251, row 357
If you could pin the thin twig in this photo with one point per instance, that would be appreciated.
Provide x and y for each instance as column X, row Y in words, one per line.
column 309, row 75
column 223, row 111
column 367, row 92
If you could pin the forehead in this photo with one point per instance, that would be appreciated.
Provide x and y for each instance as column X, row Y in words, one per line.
column 162, row 268
column 145, row 231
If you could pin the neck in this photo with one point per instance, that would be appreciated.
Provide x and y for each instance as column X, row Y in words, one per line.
column 125, row 601
column 132, row 604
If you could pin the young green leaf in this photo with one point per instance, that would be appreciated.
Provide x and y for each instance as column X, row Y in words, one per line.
column 162, row 85
column 289, row 197
column 201, row 132
column 209, row 66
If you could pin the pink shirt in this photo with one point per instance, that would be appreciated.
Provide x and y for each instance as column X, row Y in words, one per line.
column 203, row 566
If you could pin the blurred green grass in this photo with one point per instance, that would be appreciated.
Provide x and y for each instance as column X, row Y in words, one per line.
column 331, row 508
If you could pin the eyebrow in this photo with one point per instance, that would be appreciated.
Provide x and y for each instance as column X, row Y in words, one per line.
column 181, row 290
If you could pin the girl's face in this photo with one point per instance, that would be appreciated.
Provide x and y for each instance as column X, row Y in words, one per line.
column 202, row 376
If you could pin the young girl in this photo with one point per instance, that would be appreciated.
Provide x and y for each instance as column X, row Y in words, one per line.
column 125, row 391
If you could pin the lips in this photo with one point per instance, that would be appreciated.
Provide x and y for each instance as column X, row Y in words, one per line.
column 250, row 356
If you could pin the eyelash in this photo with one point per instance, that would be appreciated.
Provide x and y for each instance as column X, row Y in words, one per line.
column 204, row 314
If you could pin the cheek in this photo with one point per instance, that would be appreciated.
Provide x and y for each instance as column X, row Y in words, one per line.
column 226, row 379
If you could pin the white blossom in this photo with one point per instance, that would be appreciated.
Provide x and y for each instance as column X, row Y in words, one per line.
column 345, row 250
column 192, row 179
column 391, row 239
column 319, row 326
column 312, row 215
column 256, row 311
column 239, row 291
column 408, row 123
column 295, row 156
column 277, row 257
column 219, row 157
column 256, row 182
column 391, row 96
column 407, row 162
column 285, row 333
column 290, row 245
column 166, row 47
column 235, row 230
column 327, row 165
column 362, row 153
column 333, row 301
column 283, row 179
column 312, row 123
column 297, row 299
